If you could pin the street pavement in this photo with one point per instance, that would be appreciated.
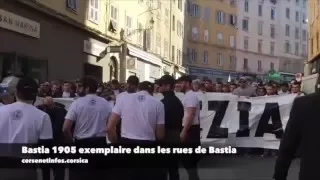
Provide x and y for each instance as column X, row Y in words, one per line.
column 240, row 168
column 237, row 168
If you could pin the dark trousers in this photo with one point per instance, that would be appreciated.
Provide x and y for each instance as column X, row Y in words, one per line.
column 58, row 173
column 139, row 169
column 172, row 137
column 95, row 169
column 16, row 170
column 190, row 162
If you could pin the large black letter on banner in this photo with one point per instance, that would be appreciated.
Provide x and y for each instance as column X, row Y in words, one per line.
column 244, row 108
column 271, row 110
column 220, row 107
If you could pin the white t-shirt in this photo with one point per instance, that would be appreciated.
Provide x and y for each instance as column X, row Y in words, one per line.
column 90, row 114
column 140, row 114
column 190, row 99
column 23, row 123
column 66, row 95
column 120, row 95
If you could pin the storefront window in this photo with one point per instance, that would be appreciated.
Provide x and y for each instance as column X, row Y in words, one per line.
column 15, row 64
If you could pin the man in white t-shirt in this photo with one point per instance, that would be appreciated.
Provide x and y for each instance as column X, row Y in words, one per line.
column 190, row 133
column 22, row 123
column 131, row 87
column 142, row 123
column 89, row 115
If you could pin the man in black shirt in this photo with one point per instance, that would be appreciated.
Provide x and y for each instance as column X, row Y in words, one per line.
column 173, row 119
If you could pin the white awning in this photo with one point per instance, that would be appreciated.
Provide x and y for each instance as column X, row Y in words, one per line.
column 139, row 53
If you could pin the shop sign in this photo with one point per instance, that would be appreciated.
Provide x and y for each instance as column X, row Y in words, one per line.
column 19, row 24
column 93, row 48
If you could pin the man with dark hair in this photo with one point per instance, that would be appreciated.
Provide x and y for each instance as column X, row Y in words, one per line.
column 132, row 84
column 146, row 86
column 67, row 93
column 89, row 114
column 115, row 86
column 219, row 87
column 131, row 87
column 174, row 112
column 22, row 123
column 190, row 134
column 284, row 88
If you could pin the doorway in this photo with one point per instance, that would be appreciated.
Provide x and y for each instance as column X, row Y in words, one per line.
column 93, row 70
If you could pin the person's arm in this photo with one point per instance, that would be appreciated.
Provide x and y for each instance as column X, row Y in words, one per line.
column 70, row 118
column 113, row 121
column 45, row 131
column 191, row 104
column 290, row 141
column 160, row 127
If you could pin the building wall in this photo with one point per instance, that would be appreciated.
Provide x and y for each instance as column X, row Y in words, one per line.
column 60, row 44
column 282, row 61
column 301, row 24
column 314, row 29
column 80, row 13
column 206, row 20
column 294, row 60
column 251, row 53
column 177, row 33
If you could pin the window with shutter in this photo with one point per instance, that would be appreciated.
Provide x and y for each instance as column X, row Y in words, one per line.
column 94, row 11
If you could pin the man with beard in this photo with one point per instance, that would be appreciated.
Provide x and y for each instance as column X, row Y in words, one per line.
column 173, row 120
column 89, row 114
column 190, row 134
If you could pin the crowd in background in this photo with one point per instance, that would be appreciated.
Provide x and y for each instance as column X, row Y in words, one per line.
column 241, row 87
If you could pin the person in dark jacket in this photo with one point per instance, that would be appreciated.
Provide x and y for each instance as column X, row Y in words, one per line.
column 57, row 112
column 174, row 112
column 301, row 134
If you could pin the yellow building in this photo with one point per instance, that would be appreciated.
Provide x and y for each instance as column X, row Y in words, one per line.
column 313, row 36
column 145, row 26
column 211, row 31
column 106, row 38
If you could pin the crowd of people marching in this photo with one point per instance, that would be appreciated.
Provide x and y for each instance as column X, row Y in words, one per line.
column 241, row 87
column 171, row 119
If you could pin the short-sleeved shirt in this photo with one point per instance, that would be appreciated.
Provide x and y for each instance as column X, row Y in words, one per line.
column 90, row 114
column 140, row 114
column 24, row 123
column 190, row 99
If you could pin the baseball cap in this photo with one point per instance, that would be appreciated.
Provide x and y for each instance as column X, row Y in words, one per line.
column 166, row 80
column 27, row 84
column 185, row 78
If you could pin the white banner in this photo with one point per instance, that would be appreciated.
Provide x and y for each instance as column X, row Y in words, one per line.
column 226, row 119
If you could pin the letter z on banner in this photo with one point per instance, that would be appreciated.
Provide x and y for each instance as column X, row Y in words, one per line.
column 244, row 122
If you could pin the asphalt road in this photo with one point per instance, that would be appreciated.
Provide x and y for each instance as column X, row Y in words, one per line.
column 237, row 168
column 240, row 168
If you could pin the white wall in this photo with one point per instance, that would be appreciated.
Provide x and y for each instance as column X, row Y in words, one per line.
column 280, row 20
